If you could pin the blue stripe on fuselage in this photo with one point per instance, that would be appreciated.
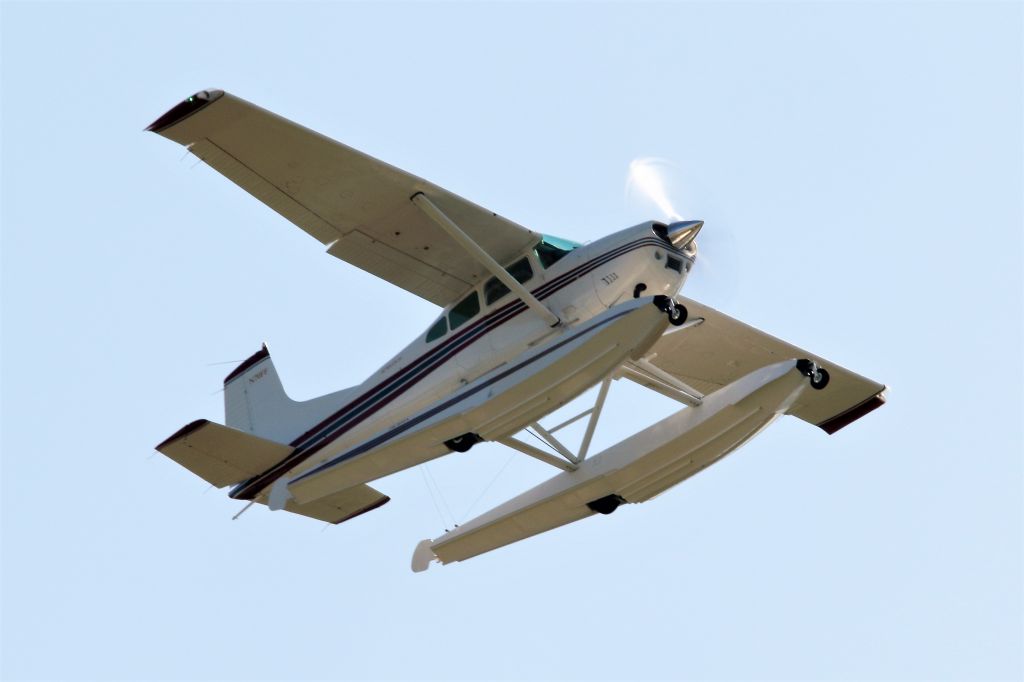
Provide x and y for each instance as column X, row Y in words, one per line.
column 358, row 409
column 398, row 430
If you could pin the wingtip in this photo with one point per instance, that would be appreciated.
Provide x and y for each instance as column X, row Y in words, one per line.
column 844, row 419
column 182, row 432
column 182, row 110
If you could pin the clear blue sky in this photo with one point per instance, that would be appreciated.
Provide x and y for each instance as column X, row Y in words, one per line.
column 859, row 167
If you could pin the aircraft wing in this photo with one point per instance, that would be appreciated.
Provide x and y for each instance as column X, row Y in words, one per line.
column 357, row 206
column 722, row 349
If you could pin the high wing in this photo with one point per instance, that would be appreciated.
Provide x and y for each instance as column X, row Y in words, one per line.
column 722, row 349
column 357, row 206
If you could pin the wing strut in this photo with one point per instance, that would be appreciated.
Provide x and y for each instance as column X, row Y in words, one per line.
column 466, row 242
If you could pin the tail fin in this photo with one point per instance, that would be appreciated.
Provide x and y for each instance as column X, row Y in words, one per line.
column 255, row 401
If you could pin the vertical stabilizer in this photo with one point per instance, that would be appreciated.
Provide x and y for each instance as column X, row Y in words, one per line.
column 255, row 401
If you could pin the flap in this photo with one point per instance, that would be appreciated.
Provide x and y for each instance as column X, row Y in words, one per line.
column 356, row 205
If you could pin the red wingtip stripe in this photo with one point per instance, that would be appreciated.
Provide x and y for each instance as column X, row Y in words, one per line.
column 184, row 431
column 179, row 112
column 837, row 422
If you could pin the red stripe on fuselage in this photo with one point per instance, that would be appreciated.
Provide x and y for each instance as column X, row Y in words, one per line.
column 307, row 444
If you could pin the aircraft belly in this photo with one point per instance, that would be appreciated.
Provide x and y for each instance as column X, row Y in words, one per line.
column 499, row 403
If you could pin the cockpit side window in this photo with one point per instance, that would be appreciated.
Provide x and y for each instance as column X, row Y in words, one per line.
column 520, row 270
column 464, row 310
column 439, row 329
column 550, row 250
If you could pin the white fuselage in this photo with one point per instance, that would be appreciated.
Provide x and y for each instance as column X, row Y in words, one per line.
column 581, row 284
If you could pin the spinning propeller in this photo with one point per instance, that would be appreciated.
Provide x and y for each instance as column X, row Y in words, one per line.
column 660, row 183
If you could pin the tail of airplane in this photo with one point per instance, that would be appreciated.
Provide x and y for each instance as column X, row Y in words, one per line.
column 261, row 420
column 255, row 402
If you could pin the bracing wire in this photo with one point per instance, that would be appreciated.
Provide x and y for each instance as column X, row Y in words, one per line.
column 430, row 491
column 504, row 466
column 543, row 442
column 440, row 493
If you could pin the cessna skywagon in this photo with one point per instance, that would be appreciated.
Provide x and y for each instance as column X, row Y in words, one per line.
column 529, row 323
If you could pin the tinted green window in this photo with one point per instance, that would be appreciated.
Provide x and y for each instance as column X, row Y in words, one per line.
column 438, row 330
column 552, row 249
column 494, row 289
column 464, row 310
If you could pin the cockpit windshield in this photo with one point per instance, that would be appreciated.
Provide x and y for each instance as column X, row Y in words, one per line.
column 550, row 250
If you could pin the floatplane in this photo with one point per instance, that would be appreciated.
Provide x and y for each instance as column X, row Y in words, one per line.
column 529, row 323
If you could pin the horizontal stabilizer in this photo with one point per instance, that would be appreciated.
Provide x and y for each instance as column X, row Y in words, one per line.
column 341, row 506
column 220, row 454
